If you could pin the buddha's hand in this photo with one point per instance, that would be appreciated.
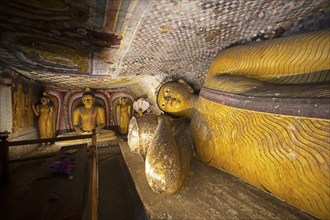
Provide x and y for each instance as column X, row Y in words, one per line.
column 78, row 129
column 86, row 132
column 99, row 128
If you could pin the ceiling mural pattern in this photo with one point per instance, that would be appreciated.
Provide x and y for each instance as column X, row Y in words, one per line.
column 125, row 43
column 181, row 38
column 52, row 36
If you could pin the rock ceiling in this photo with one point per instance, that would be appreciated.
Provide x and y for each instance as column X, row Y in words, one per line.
column 122, row 43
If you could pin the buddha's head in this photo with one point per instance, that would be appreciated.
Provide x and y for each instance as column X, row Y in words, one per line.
column 44, row 100
column 88, row 98
column 174, row 97
column 19, row 87
column 123, row 100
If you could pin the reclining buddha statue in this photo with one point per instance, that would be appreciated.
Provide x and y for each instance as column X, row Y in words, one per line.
column 263, row 115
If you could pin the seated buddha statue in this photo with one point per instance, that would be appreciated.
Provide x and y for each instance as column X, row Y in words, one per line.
column 263, row 116
column 89, row 116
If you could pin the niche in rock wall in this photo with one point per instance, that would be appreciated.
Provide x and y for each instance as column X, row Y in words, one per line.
column 48, row 116
column 66, row 101
column 56, row 101
column 122, row 103
column 72, row 100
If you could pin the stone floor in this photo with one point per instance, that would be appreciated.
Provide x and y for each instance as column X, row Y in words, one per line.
column 27, row 194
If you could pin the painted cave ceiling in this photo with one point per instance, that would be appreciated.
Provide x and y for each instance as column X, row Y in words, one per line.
column 118, row 43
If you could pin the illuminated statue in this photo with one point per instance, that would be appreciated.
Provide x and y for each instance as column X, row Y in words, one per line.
column 45, row 113
column 90, row 116
column 263, row 115
column 123, row 111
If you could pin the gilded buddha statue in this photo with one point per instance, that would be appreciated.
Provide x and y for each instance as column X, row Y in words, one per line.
column 90, row 116
column 44, row 111
column 123, row 112
column 263, row 115
column 87, row 117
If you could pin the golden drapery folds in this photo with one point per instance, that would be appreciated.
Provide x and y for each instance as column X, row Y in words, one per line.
column 167, row 147
column 263, row 115
column 287, row 155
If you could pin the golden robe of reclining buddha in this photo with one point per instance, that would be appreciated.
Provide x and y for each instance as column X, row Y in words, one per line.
column 263, row 115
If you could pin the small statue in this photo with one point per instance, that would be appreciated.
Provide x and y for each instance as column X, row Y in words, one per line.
column 123, row 111
column 44, row 111
column 141, row 106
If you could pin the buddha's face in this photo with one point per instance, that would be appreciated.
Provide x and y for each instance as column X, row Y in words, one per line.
column 174, row 98
column 88, row 101
column 123, row 101
column 19, row 87
column 44, row 100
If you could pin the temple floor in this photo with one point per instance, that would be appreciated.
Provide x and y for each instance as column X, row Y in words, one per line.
column 29, row 193
column 207, row 193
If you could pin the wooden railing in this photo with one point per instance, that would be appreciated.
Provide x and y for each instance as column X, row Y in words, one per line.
column 4, row 159
column 94, row 177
